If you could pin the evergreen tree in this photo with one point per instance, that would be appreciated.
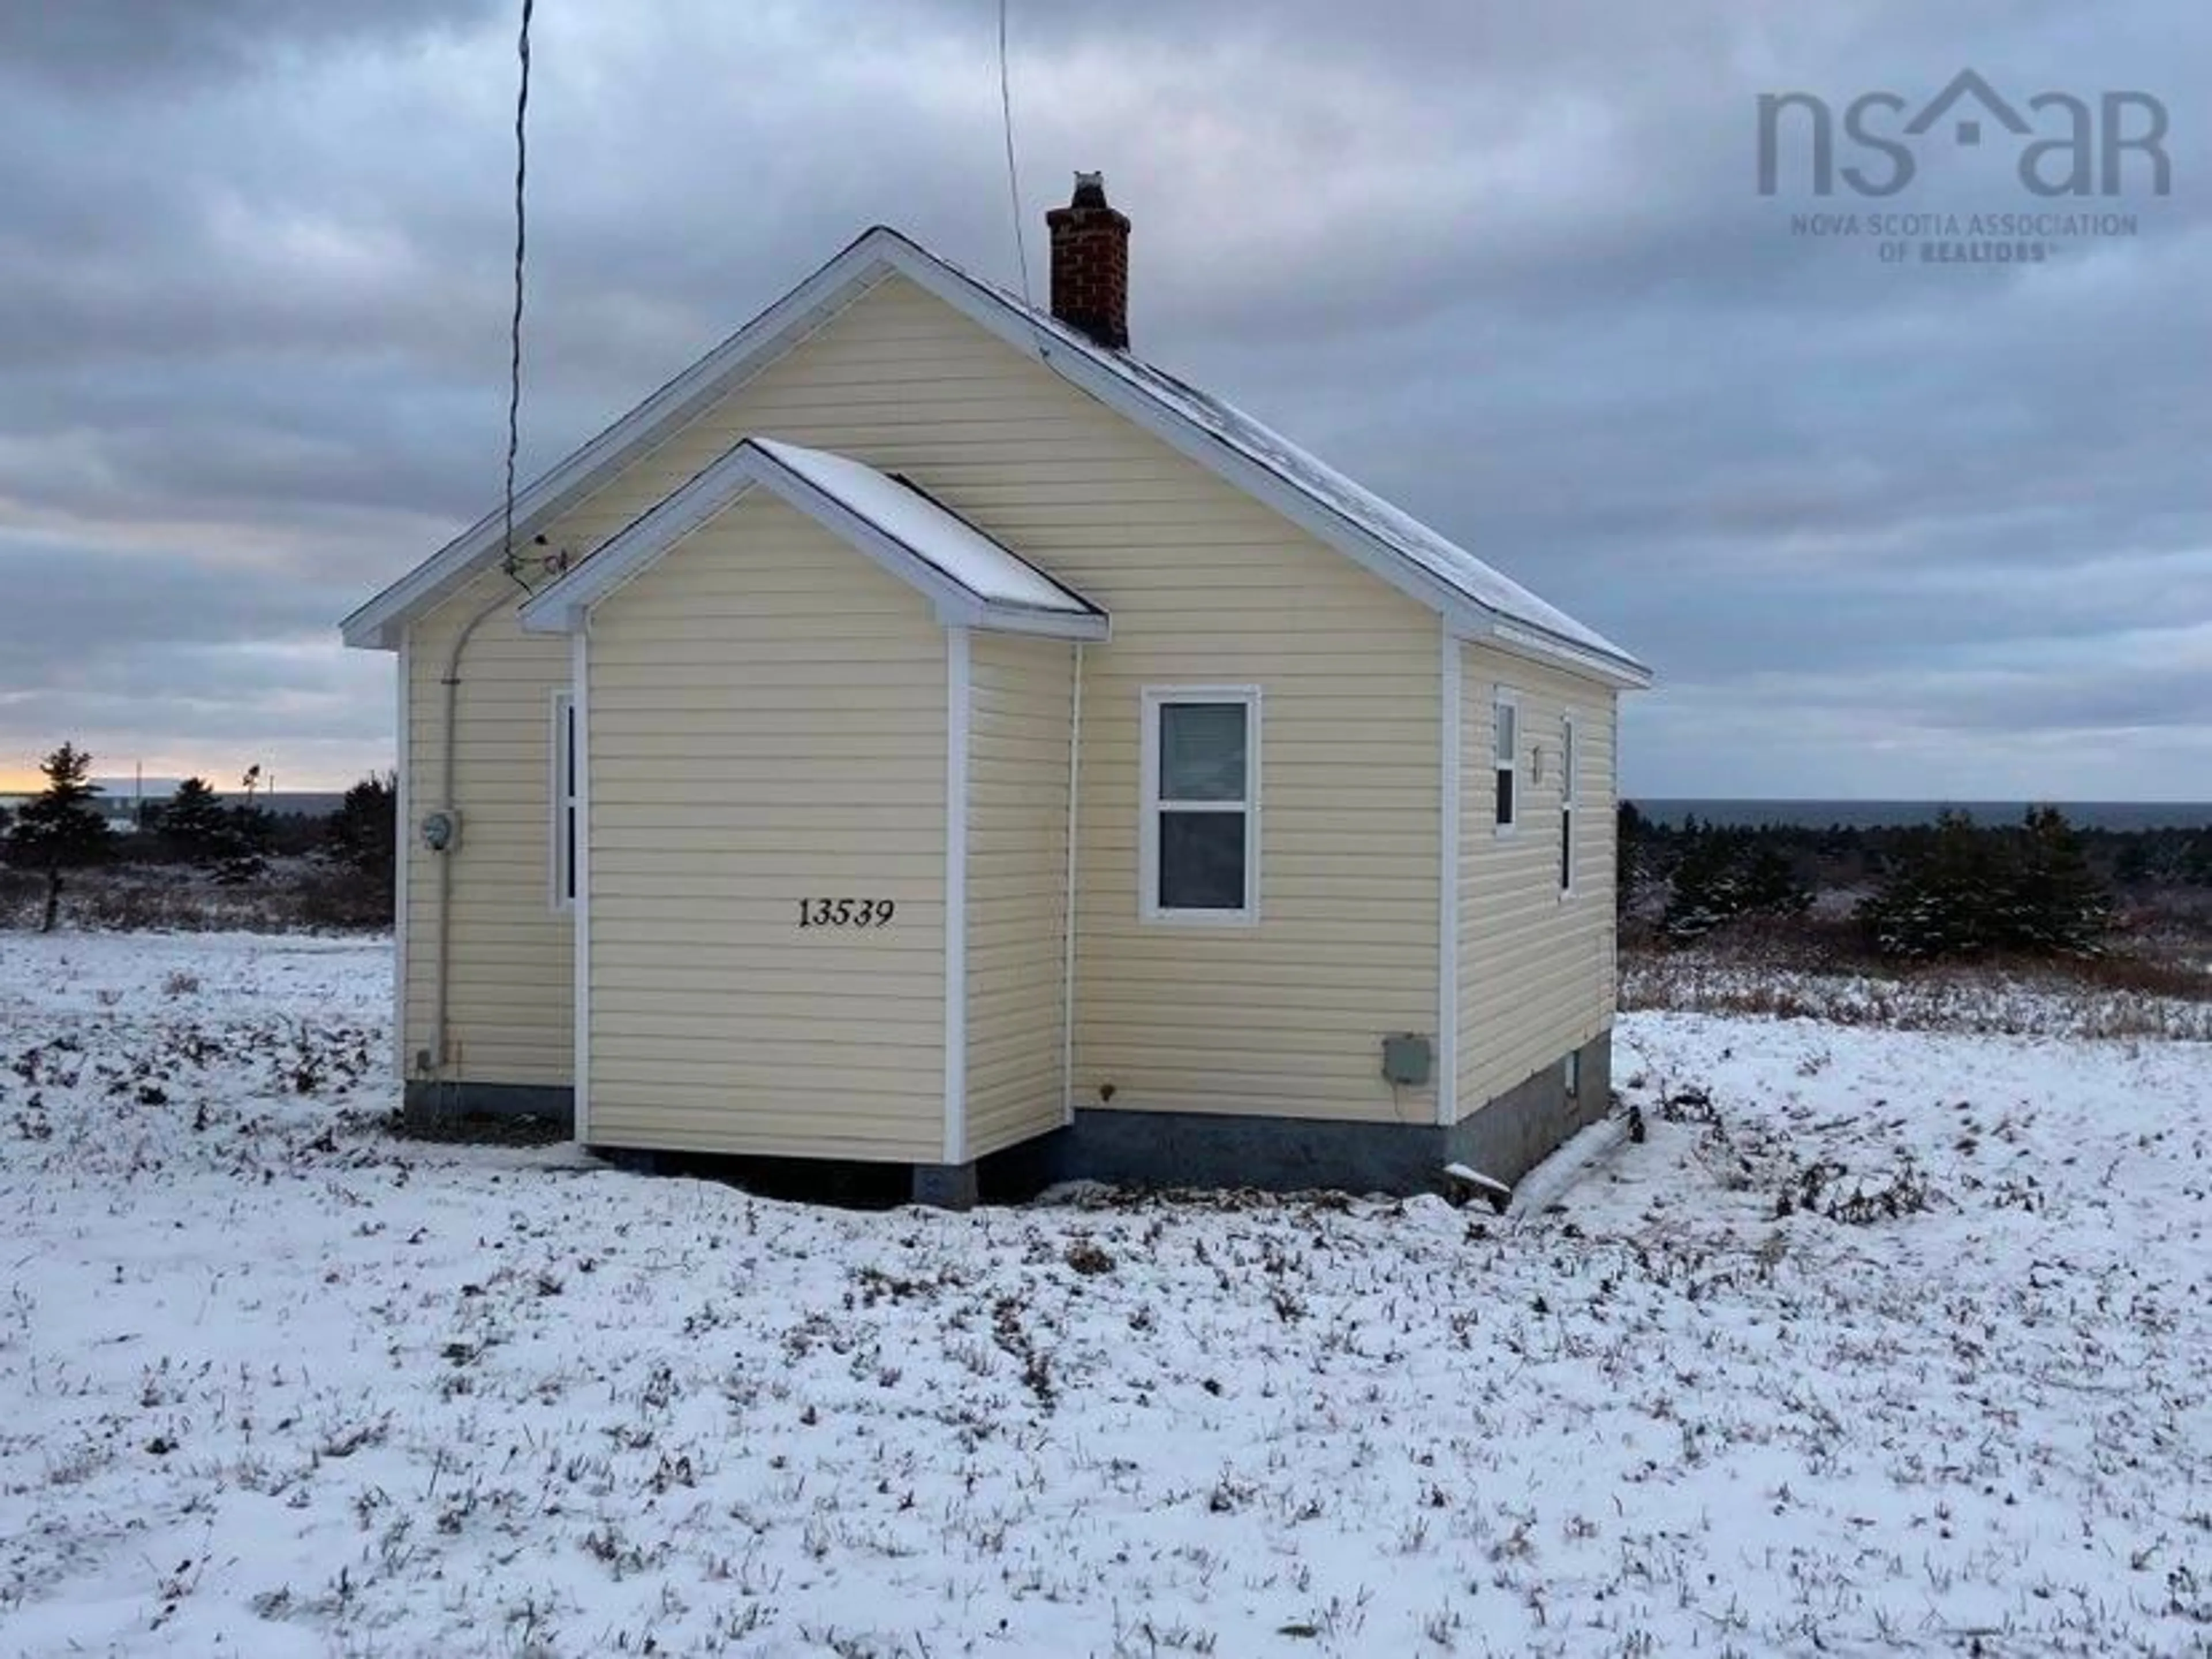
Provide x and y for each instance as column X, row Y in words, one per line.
column 1627, row 844
column 61, row 829
column 2197, row 859
column 2135, row 866
column 1768, row 882
column 364, row 832
column 194, row 824
column 1957, row 890
column 244, row 854
column 1936, row 896
column 1723, row 874
column 2058, row 904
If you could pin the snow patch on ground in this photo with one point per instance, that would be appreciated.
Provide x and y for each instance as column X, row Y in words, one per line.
column 1881, row 1341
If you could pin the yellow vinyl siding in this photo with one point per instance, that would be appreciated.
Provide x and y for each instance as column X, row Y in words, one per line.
column 510, row 998
column 1205, row 586
column 793, row 747
column 1020, row 699
column 1536, row 969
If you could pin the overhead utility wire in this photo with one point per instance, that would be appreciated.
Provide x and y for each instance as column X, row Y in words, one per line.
column 514, row 326
column 1014, row 187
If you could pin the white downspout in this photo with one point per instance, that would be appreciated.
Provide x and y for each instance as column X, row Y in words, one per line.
column 1068, row 919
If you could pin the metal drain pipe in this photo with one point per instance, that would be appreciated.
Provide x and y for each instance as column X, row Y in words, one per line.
column 441, row 975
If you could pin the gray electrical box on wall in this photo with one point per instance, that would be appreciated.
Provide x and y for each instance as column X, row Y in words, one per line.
column 441, row 831
column 1407, row 1059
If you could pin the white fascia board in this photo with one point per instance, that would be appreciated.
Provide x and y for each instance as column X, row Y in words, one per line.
column 1465, row 613
column 982, row 308
column 561, row 608
column 837, row 285
column 1091, row 628
column 1521, row 642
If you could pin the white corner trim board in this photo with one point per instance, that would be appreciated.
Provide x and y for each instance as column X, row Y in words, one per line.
column 1450, row 685
column 579, row 705
column 403, row 806
column 956, row 677
column 1068, row 902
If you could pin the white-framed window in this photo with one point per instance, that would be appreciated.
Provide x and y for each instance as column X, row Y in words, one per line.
column 1572, row 1072
column 1567, row 770
column 1199, row 840
column 1505, row 739
column 565, row 827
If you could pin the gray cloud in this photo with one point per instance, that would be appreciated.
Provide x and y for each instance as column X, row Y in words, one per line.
column 109, row 44
column 1896, row 530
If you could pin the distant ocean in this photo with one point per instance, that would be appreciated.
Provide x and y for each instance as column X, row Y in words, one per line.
column 1878, row 814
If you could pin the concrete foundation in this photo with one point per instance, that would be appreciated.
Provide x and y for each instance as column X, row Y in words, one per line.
column 430, row 1105
column 1504, row 1139
column 946, row 1186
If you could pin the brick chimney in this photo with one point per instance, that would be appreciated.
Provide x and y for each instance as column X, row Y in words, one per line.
column 1090, row 263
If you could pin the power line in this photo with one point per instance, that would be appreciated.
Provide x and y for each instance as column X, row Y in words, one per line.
column 1014, row 189
column 1014, row 171
column 515, row 325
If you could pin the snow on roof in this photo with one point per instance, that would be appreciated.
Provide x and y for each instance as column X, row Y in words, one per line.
column 1360, row 507
column 1232, row 444
column 973, row 579
column 932, row 532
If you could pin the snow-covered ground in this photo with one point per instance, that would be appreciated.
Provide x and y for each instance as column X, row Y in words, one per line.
column 275, row 1383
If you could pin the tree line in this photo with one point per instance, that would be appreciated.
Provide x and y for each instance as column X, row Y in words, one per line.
column 1953, row 888
column 63, row 829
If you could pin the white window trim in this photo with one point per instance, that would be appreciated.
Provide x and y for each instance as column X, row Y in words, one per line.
column 1148, row 825
column 1569, row 805
column 562, row 796
column 1504, row 696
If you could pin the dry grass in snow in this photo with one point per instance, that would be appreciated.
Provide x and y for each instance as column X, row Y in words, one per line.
column 1879, row 1341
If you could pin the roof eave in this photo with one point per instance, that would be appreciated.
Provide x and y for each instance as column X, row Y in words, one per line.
column 851, row 272
column 839, row 281
column 1621, row 671
column 563, row 607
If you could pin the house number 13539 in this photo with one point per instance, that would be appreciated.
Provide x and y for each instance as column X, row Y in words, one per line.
column 846, row 912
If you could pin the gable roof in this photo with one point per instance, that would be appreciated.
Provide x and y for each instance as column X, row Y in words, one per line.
column 1478, row 600
column 973, row 579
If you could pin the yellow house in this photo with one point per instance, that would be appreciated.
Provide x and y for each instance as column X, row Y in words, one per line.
column 925, row 734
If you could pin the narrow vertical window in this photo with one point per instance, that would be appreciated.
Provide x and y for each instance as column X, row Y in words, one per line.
column 1505, row 727
column 1199, row 840
column 1567, row 803
column 563, row 794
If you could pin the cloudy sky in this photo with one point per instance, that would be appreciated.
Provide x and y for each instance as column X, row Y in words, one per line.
column 1885, row 529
